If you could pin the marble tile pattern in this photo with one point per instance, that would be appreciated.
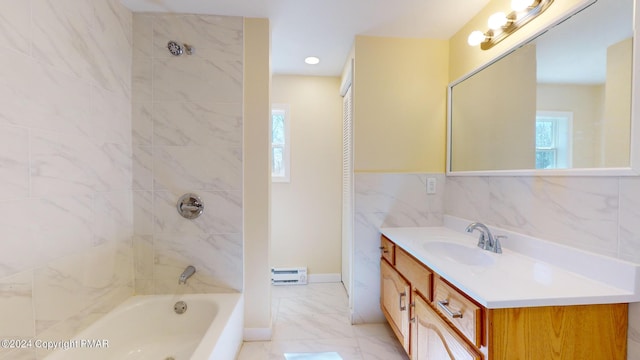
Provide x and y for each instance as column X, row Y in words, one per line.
column 314, row 318
column 389, row 200
column 187, row 137
column 66, row 156
column 597, row 214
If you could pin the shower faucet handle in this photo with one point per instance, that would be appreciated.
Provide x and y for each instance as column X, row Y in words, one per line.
column 190, row 206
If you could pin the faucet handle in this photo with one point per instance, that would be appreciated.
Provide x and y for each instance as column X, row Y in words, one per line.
column 497, row 247
column 482, row 242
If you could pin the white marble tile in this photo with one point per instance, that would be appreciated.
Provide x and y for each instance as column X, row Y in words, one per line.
column 142, row 124
column 144, row 256
column 188, row 168
column 576, row 211
column 59, row 292
column 113, row 220
column 222, row 213
column 15, row 25
column 197, row 80
column 110, row 120
column 629, row 238
column 142, row 80
column 62, row 164
column 18, row 241
column 213, row 37
column 62, row 34
column 311, row 327
column 143, row 212
column 142, row 168
column 173, row 252
column 467, row 197
column 381, row 348
column 347, row 348
column 111, row 46
column 112, row 167
column 142, row 36
column 16, row 306
column 256, row 350
column 14, row 163
column 179, row 123
column 61, row 226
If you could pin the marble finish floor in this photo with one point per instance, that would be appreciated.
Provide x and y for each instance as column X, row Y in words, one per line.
column 314, row 318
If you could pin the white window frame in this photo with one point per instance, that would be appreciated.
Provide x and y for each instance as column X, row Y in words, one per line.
column 563, row 145
column 286, row 147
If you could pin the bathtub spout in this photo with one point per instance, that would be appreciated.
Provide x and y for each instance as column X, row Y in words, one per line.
column 187, row 273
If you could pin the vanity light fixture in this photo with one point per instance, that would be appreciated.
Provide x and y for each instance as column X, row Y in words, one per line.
column 312, row 60
column 502, row 25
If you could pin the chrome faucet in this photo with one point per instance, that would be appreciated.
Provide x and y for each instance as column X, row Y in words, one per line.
column 187, row 273
column 486, row 240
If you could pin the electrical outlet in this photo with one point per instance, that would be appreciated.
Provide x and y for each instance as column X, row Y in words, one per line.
column 431, row 185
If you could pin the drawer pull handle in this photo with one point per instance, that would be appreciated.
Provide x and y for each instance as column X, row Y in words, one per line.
column 402, row 295
column 443, row 304
column 384, row 250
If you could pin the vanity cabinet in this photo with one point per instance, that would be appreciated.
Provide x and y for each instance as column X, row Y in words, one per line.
column 434, row 320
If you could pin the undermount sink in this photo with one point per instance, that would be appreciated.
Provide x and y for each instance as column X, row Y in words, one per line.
column 461, row 254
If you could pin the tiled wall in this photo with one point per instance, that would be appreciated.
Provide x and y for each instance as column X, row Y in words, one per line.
column 597, row 214
column 65, row 166
column 386, row 200
column 187, row 136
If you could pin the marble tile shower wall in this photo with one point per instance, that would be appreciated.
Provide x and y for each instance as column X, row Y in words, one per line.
column 391, row 200
column 187, row 136
column 66, row 214
column 597, row 214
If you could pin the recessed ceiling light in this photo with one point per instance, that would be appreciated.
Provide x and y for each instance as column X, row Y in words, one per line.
column 312, row 60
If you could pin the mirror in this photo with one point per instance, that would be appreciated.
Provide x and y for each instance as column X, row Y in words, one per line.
column 560, row 101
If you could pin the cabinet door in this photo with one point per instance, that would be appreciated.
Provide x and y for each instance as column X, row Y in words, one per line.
column 434, row 339
column 394, row 301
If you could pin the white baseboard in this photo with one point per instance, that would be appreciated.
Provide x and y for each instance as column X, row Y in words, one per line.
column 325, row 278
column 257, row 334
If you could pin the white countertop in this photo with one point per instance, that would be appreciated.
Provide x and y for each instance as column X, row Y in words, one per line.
column 519, row 280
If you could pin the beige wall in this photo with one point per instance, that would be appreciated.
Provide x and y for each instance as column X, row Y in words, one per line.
column 494, row 116
column 399, row 104
column 617, row 107
column 257, row 179
column 305, row 213
column 65, row 181
column 586, row 103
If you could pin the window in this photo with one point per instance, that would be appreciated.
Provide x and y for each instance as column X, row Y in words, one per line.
column 553, row 139
column 280, row 143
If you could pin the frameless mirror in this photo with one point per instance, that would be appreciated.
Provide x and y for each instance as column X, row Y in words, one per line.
column 560, row 101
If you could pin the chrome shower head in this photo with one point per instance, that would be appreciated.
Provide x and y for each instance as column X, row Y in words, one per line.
column 174, row 48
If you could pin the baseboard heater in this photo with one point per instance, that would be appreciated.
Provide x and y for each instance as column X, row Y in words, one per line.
column 289, row 276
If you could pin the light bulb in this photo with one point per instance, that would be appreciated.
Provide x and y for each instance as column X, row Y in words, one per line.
column 497, row 20
column 520, row 5
column 476, row 38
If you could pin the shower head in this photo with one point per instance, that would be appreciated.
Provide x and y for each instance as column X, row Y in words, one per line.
column 176, row 49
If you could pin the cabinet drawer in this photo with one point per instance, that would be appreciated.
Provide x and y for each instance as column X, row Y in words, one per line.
column 418, row 275
column 463, row 313
column 388, row 250
column 432, row 338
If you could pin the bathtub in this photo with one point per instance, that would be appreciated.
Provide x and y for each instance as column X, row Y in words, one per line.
column 148, row 327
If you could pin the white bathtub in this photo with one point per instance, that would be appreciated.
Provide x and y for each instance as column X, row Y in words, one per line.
column 147, row 327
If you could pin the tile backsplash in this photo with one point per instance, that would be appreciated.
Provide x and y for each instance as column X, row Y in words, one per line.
column 66, row 214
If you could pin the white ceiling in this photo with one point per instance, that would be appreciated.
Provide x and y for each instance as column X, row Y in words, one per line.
column 327, row 28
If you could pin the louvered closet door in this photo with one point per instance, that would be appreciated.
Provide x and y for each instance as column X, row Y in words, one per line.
column 347, row 189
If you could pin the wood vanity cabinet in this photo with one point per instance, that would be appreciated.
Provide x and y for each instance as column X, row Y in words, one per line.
column 436, row 321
